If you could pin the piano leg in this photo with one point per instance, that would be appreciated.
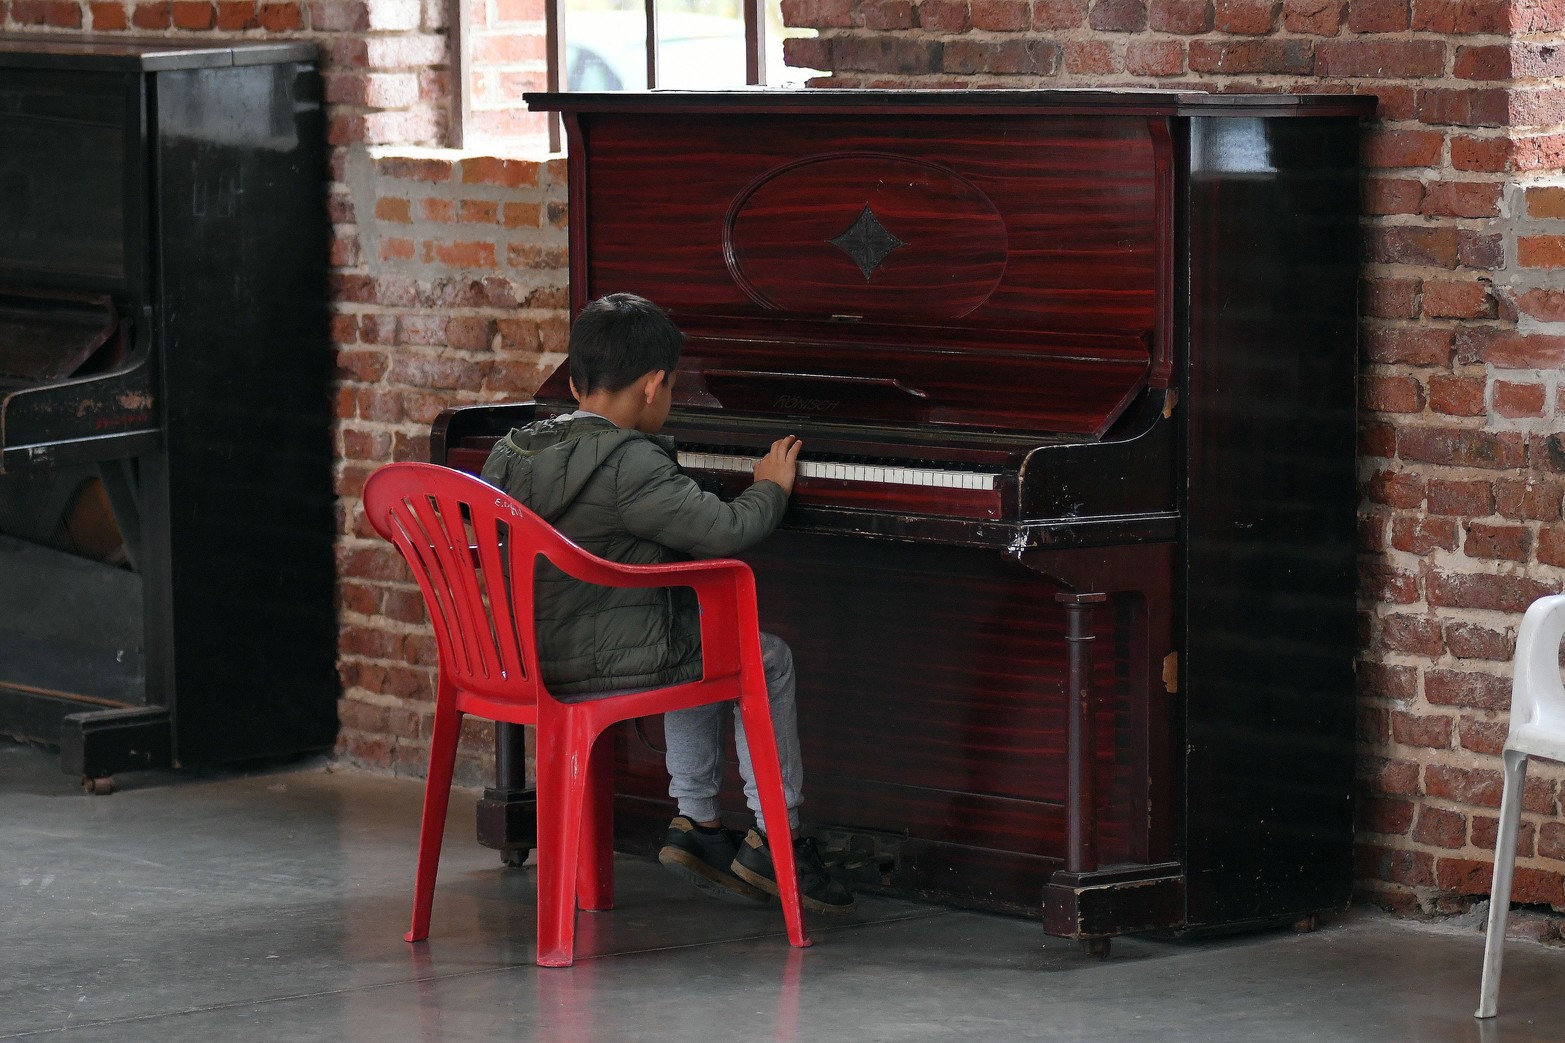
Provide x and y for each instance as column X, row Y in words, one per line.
column 508, row 812
column 1081, row 848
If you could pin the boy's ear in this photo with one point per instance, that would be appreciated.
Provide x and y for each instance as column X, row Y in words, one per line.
column 654, row 383
column 574, row 393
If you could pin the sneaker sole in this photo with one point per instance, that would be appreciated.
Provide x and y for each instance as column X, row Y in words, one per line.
column 712, row 881
column 814, row 905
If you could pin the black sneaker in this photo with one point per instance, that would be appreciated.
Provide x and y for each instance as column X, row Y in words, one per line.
column 704, row 859
column 820, row 892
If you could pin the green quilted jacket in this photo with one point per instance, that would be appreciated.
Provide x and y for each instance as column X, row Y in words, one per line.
column 621, row 495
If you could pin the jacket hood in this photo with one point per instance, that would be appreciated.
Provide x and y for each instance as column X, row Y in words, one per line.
column 551, row 461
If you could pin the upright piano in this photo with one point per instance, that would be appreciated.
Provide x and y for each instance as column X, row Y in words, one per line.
column 166, row 496
column 1069, row 568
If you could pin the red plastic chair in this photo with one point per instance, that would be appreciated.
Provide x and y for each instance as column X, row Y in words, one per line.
column 473, row 551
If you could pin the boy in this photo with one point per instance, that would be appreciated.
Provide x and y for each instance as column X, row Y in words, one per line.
column 603, row 477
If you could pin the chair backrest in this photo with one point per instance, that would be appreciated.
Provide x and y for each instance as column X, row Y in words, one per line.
column 474, row 552
column 1537, row 695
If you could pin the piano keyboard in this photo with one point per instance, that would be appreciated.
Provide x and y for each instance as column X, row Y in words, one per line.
column 881, row 474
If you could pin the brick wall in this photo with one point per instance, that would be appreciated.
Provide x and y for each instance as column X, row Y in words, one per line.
column 1463, row 465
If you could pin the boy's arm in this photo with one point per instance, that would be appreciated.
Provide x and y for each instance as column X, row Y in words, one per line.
column 659, row 502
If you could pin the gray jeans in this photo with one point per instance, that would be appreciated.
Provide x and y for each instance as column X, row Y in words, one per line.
column 695, row 745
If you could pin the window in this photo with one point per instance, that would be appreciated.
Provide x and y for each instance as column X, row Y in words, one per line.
column 506, row 46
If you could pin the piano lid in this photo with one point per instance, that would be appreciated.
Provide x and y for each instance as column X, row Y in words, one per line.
column 1005, row 273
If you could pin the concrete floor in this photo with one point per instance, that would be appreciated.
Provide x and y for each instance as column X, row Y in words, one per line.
column 270, row 905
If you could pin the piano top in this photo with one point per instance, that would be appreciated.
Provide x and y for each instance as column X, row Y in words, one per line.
column 46, row 51
column 987, row 102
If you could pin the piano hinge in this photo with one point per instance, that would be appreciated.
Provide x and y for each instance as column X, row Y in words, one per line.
column 1171, row 673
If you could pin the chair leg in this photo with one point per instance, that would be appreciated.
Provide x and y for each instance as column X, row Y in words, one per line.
column 774, row 806
column 562, row 791
column 1500, row 888
column 437, row 796
column 595, row 872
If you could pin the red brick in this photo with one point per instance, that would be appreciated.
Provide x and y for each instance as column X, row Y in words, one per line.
column 1422, row 536
column 1001, row 16
column 1518, row 400
column 108, row 17
column 1246, row 17
column 408, row 168
column 1548, row 453
column 1431, row 732
column 1537, row 887
column 1537, row 16
column 194, row 15
column 1459, row 17
column 1462, row 199
column 1507, row 349
column 1409, row 346
column 1376, row 439
column 1058, row 14
column 1118, row 16
column 1542, row 303
column 478, row 211
column 1434, row 246
column 150, row 16
column 1416, row 635
column 1404, row 148
column 1488, row 540
column 1477, row 249
column 394, row 209
column 1377, row 16
column 1464, row 107
column 1547, row 201
column 1463, row 876
column 1457, row 396
column 1471, row 641
column 1486, row 832
column 950, row 16
column 1539, row 152
column 395, row 248
column 1001, row 57
column 1551, row 841
column 883, row 15
column 1397, row 778
column 1380, row 59
column 1183, row 17
column 1387, row 817
column 1384, row 195
column 1482, row 736
column 1384, row 583
column 1294, row 57
column 1481, row 154
column 236, row 15
column 1551, row 545
column 1438, row 827
column 1541, row 251
column 1155, row 58
column 1483, row 62
column 1462, row 447
column 1396, row 488
column 1093, row 57
column 1389, row 298
column 1477, row 787
column 1313, row 17
column 886, row 54
column 469, row 333
column 1457, row 300
column 1392, row 394
column 1384, row 681
column 435, row 208
column 1485, row 591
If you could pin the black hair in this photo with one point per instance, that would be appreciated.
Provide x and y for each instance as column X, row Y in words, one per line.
column 619, row 338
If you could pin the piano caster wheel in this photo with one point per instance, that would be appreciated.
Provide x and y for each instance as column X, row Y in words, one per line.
column 1306, row 924
column 100, row 787
column 514, row 857
column 1098, row 947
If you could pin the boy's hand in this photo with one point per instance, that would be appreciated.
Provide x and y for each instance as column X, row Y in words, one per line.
column 780, row 464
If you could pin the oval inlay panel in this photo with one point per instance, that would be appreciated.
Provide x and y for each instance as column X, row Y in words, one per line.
column 866, row 234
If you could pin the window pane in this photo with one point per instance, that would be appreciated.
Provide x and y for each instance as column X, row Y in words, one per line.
column 700, row 44
column 605, row 45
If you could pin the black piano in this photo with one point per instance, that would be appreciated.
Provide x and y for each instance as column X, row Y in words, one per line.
column 166, row 500
column 1069, row 568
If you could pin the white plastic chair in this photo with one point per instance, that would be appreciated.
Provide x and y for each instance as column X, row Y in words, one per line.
column 1537, row 730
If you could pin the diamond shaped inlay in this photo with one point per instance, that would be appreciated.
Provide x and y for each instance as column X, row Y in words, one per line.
column 867, row 242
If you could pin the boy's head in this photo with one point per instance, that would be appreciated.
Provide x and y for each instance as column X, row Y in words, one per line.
column 618, row 339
